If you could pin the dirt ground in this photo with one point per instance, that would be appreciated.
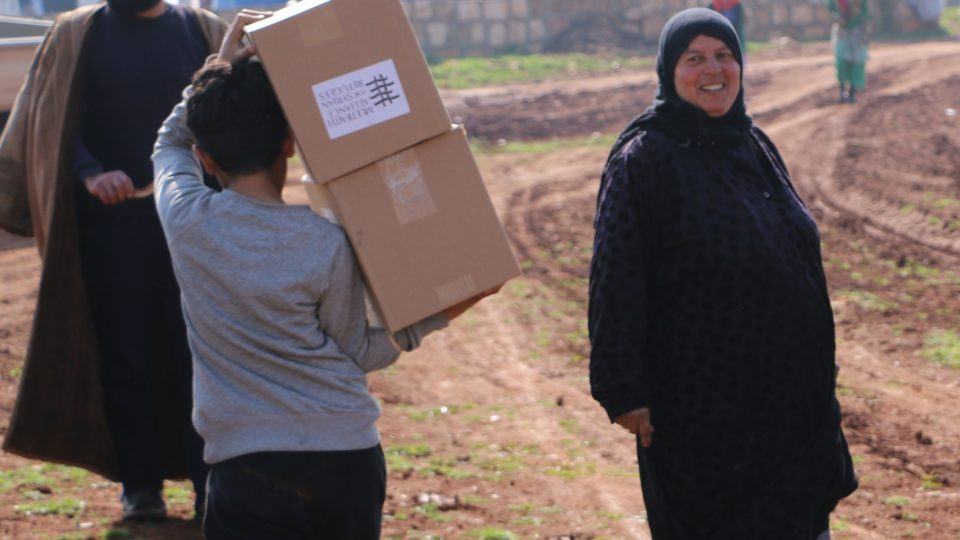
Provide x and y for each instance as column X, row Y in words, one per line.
column 489, row 428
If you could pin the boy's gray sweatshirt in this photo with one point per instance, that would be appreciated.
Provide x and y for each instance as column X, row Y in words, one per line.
column 274, row 307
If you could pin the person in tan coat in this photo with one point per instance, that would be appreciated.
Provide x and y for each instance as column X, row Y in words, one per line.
column 106, row 380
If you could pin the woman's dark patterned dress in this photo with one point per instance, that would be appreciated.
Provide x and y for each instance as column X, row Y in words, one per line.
column 708, row 304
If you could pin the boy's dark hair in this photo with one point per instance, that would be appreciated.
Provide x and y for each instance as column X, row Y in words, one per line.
column 235, row 116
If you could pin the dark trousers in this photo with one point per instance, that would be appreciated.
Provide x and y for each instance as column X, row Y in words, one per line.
column 666, row 524
column 144, row 356
column 297, row 495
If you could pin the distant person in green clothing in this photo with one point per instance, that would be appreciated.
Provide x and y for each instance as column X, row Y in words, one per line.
column 849, row 39
column 735, row 12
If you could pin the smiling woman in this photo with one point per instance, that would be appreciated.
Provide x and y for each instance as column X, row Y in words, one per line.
column 708, row 76
column 709, row 315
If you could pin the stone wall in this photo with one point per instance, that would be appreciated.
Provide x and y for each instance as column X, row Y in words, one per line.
column 450, row 28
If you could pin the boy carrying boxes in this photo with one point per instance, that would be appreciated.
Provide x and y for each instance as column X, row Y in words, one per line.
column 274, row 306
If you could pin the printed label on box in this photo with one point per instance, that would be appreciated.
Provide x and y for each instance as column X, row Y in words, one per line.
column 361, row 99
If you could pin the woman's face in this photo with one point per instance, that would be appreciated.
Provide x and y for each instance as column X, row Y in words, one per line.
column 708, row 76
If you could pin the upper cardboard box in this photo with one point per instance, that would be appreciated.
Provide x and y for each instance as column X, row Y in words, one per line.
column 352, row 81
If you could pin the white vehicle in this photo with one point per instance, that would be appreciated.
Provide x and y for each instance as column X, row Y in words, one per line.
column 19, row 39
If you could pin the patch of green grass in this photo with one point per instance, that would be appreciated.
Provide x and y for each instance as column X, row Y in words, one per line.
column 432, row 512
column 445, row 467
column 492, row 533
column 610, row 516
column 544, row 146
column 571, row 470
column 837, row 525
column 754, row 47
column 931, row 481
column 48, row 474
column 522, row 508
column 401, row 458
column 921, row 270
column 398, row 463
column 946, row 202
column 942, row 347
column 950, row 21
column 528, row 521
column 472, row 72
column 843, row 390
column 620, row 472
column 410, row 450
column 474, row 500
column 399, row 515
column 869, row 301
column 58, row 507
column 520, row 288
column 897, row 500
column 499, row 465
column 882, row 281
column 177, row 494
column 570, row 425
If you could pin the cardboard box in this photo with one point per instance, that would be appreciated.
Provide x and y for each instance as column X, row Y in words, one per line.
column 423, row 228
column 321, row 202
column 352, row 81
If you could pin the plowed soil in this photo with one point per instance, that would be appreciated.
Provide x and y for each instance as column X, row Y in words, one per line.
column 489, row 428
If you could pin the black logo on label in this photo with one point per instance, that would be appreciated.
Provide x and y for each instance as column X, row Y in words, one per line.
column 381, row 91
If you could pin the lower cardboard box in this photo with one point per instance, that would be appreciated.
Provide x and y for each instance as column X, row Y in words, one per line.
column 423, row 228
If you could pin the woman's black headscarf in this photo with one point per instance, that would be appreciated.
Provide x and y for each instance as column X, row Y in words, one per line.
column 671, row 115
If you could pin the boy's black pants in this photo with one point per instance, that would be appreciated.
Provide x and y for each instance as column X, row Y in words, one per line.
column 297, row 495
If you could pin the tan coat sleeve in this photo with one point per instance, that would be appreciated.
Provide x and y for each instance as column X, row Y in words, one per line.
column 14, row 202
column 213, row 28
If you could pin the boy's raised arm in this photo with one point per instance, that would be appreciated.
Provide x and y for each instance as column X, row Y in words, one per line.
column 343, row 317
column 177, row 173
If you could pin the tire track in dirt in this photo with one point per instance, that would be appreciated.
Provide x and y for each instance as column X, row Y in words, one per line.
column 527, row 210
column 824, row 132
column 528, row 384
column 577, row 108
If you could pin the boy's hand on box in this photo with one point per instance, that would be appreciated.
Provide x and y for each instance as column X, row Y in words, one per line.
column 456, row 310
column 232, row 48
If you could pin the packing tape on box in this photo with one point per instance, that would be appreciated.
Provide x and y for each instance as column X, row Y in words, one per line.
column 404, row 180
column 456, row 290
column 322, row 26
column 321, row 199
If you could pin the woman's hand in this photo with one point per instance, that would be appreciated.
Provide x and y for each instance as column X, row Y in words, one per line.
column 232, row 48
column 637, row 422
